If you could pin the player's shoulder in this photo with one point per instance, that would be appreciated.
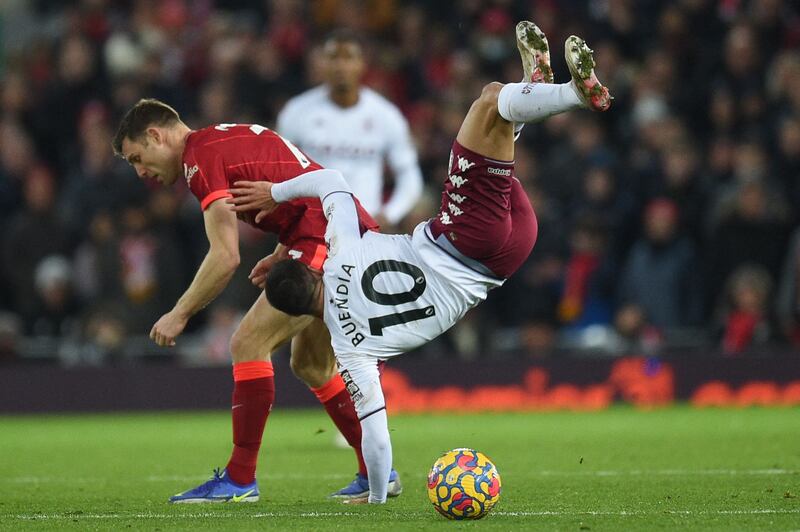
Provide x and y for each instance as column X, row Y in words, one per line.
column 312, row 97
column 204, row 138
column 379, row 103
column 373, row 97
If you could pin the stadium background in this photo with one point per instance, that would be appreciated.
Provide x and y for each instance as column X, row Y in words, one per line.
column 668, row 226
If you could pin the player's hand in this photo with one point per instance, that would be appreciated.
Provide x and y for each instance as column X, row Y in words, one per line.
column 167, row 328
column 253, row 195
column 258, row 276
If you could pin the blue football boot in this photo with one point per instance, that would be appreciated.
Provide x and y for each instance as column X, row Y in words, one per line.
column 218, row 489
column 359, row 487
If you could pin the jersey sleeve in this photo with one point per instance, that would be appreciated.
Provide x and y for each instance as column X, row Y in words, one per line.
column 402, row 159
column 208, row 182
column 337, row 203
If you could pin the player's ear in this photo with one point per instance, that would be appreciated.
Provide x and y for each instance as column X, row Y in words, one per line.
column 155, row 134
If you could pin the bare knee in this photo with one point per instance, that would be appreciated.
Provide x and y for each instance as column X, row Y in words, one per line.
column 242, row 349
column 248, row 344
column 489, row 95
column 263, row 330
column 315, row 371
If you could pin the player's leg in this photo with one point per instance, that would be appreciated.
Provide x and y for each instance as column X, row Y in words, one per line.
column 485, row 220
column 314, row 363
column 362, row 378
column 485, row 129
column 312, row 355
column 262, row 330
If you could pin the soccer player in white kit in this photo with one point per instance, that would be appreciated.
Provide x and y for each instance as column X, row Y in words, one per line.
column 382, row 295
column 353, row 129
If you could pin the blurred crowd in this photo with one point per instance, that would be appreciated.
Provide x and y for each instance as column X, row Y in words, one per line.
column 669, row 222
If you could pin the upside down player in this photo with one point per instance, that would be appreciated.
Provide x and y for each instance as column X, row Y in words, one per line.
column 160, row 147
column 382, row 295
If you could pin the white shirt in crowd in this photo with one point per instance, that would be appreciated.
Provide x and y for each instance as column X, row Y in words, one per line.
column 358, row 141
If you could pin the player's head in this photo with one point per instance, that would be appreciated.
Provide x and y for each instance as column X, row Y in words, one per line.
column 151, row 138
column 293, row 288
column 344, row 62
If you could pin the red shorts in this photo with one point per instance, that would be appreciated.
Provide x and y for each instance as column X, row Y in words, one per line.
column 485, row 213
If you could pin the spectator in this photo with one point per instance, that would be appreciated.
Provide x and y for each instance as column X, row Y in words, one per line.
column 746, row 320
column 17, row 157
column 35, row 232
column 10, row 334
column 788, row 297
column 570, row 161
column 754, row 229
column 602, row 196
column 102, row 339
column 634, row 334
column 660, row 276
column 55, row 312
column 76, row 83
column 587, row 292
column 787, row 158
column 151, row 267
column 97, row 262
column 97, row 182
column 680, row 179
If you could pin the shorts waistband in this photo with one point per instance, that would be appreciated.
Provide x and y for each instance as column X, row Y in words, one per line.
column 448, row 247
column 477, row 155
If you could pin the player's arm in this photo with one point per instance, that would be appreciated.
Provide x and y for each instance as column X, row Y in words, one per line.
column 258, row 275
column 402, row 159
column 211, row 278
column 327, row 185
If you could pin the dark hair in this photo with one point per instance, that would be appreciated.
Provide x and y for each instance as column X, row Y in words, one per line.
column 147, row 112
column 344, row 35
column 290, row 287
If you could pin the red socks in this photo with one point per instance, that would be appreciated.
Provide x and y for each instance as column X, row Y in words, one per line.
column 253, row 395
column 337, row 402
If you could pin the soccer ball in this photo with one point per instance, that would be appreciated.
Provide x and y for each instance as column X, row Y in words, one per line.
column 463, row 484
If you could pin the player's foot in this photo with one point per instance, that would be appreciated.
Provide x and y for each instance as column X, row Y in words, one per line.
column 359, row 488
column 535, row 53
column 580, row 60
column 218, row 489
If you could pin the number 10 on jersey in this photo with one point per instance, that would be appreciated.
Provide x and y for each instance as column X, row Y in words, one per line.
column 378, row 323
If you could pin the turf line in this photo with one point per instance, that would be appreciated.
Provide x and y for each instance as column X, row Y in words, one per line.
column 337, row 476
column 546, row 513
column 668, row 472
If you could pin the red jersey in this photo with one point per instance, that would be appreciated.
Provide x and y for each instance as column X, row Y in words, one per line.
column 217, row 156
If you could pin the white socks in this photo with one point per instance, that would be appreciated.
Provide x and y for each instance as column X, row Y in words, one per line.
column 377, row 449
column 532, row 102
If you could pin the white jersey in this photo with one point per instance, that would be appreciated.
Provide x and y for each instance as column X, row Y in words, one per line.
column 358, row 141
column 384, row 294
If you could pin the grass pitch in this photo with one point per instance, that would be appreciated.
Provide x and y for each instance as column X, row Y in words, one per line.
column 620, row 469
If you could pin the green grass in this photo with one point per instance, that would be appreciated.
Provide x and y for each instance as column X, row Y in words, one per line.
column 621, row 469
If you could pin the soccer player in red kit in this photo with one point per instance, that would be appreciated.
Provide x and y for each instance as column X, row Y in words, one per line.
column 160, row 147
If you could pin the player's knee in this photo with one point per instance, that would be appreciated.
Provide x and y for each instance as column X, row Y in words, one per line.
column 245, row 348
column 312, row 372
column 489, row 94
column 238, row 347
